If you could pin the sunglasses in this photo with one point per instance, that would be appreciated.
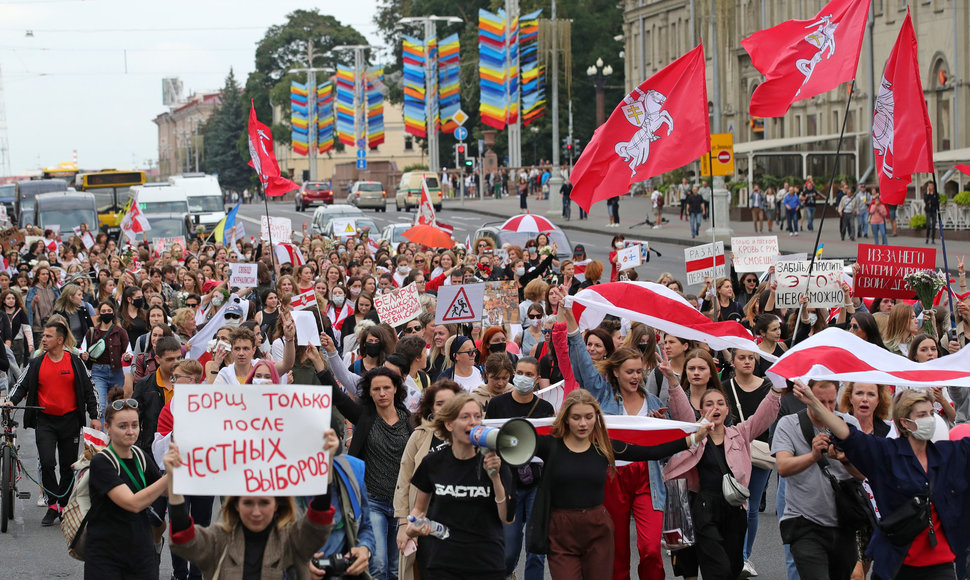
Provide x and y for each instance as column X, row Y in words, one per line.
column 472, row 352
column 854, row 326
column 122, row 403
column 419, row 261
column 192, row 304
column 412, row 329
column 533, row 317
column 233, row 317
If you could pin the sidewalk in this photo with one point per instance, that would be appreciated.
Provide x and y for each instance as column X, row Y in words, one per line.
column 634, row 210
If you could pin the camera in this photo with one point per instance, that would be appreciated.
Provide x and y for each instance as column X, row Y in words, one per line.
column 335, row 566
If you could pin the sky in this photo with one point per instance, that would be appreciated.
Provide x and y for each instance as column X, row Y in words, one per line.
column 86, row 75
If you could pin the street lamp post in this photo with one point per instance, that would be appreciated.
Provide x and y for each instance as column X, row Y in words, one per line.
column 599, row 73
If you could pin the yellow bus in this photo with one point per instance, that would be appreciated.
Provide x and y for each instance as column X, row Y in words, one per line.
column 111, row 189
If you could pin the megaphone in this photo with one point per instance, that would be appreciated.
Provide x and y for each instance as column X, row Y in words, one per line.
column 514, row 442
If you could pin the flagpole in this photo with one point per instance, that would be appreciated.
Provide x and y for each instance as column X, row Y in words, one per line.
column 269, row 230
column 825, row 203
column 946, row 266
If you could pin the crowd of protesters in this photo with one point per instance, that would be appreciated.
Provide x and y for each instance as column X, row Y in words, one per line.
column 406, row 398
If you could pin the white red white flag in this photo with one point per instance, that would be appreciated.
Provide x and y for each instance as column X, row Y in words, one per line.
column 627, row 428
column 305, row 300
column 837, row 355
column 661, row 308
column 134, row 222
column 287, row 253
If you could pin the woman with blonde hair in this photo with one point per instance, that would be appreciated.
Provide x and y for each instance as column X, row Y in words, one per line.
column 70, row 305
column 901, row 327
column 438, row 359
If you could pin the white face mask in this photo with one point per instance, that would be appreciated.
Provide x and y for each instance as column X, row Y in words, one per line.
column 619, row 245
column 338, row 300
column 925, row 428
column 403, row 269
column 354, row 291
column 520, row 271
column 262, row 381
column 523, row 384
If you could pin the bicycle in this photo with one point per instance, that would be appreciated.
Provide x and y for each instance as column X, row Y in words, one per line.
column 10, row 464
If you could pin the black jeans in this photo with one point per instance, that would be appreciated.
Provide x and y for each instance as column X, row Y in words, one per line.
column 57, row 438
column 820, row 552
column 938, row 572
column 719, row 531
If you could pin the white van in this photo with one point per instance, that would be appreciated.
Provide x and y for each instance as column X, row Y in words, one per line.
column 153, row 198
column 205, row 198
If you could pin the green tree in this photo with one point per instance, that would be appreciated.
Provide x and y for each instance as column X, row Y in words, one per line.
column 224, row 133
column 288, row 46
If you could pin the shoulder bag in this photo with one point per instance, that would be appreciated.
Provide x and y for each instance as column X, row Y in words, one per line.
column 760, row 451
column 97, row 349
column 910, row 519
column 734, row 493
column 852, row 505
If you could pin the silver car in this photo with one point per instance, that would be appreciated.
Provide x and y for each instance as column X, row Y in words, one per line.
column 368, row 194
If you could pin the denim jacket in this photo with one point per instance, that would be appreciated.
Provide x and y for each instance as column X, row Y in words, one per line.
column 612, row 404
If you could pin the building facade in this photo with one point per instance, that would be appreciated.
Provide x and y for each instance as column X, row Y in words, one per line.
column 804, row 140
column 180, row 137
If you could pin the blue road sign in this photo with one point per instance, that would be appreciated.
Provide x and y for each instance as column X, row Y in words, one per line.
column 361, row 153
column 461, row 133
column 362, row 142
column 362, row 164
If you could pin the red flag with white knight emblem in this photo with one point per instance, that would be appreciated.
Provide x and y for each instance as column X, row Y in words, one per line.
column 902, row 137
column 660, row 126
column 804, row 58
column 426, row 213
column 263, row 159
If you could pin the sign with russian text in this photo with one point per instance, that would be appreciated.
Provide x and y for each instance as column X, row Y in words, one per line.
column 882, row 269
column 825, row 290
column 459, row 303
column 705, row 261
column 397, row 307
column 11, row 239
column 628, row 257
column 251, row 439
column 754, row 253
column 243, row 275
column 280, row 227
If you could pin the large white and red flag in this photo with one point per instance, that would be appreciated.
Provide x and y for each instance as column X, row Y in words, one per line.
column 627, row 428
column 660, row 126
column 804, row 58
column 287, row 253
column 263, row 158
column 662, row 308
column 426, row 214
column 134, row 222
column 837, row 355
column 902, row 137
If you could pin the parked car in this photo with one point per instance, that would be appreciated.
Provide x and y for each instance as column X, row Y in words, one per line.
column 410, row 187
column 368, row 194
column 313, row 193
column 322, row 217
column 492, row 230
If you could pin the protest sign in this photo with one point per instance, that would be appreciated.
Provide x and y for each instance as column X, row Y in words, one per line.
column 703, row 262
column 88, row 240
column 503, row 256
column 501, row 305
column 754, row 253
column 825, row 290
column 882, row 268
column 460, row 303
column 345, row 227
column 261, row 440
column 165, row 244
column 11, row 239
column 281, row 227
column 628, row 257
column 243, row 275
column 397, row 307
column 307, row 331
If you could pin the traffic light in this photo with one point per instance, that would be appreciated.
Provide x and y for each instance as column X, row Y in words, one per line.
column 469, row 165
column 461, row 149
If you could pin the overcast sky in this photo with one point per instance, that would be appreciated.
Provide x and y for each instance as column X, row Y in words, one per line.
column 90, row 76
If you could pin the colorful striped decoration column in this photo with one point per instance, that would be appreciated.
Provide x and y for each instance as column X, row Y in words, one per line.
column 512, row 74
column 375, row 106
column 345, row 105
column 532, row 73
column 324, row 117
column 449, row 98
column 414, row 90
column 299, row 118
column 493, row 104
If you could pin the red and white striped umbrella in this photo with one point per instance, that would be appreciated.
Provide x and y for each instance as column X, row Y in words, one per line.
column 528, row 222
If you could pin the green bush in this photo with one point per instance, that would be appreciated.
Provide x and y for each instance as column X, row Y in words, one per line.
column 943, row 199
column 415, row 167
column 962, row 198
column 917, row 222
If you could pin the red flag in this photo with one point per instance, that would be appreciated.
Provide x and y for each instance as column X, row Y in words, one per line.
column 902, row 137
column 964, row 169
column 660, row 126
column 425, row 213
column 134, row 222
column 804, row 58
column 263, row 159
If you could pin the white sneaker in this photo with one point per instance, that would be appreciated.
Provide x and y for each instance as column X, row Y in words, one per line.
column 748, row 571
column 656, row 227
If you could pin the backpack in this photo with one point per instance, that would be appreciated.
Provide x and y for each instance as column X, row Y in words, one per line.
column 74, row 518
column 660, row 200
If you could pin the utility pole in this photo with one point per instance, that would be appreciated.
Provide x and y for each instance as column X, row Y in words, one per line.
column 514, row 129
column 430, row 82
column 555, row 178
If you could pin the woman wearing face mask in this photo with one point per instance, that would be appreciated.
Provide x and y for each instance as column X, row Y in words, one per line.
column 374, row 347
column 263, row 373
column 719, row 527
column 494, row 340
column 923, row 348
column 382, row 428
column 338, row 309
column 616, row 244
column 363, row 306
column 901, row 469
column 255, row 536
column 422, row 442
column 106, row 370
column 133, row 317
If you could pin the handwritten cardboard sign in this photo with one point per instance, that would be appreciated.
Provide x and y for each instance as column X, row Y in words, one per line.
column 628, row 257
column 754, row 253
column 251, row 439
column 825, row 290
column 165, row 244
column 882, row 268
column 460, row 303
column 11, row 239
column 706, row 261
column 281, row 228
column 397, row 307
column 501, row 304
column 243, row 275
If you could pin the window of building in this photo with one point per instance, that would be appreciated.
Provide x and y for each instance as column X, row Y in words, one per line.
column 797, row 126
column 408, row 143
column 812, row 128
